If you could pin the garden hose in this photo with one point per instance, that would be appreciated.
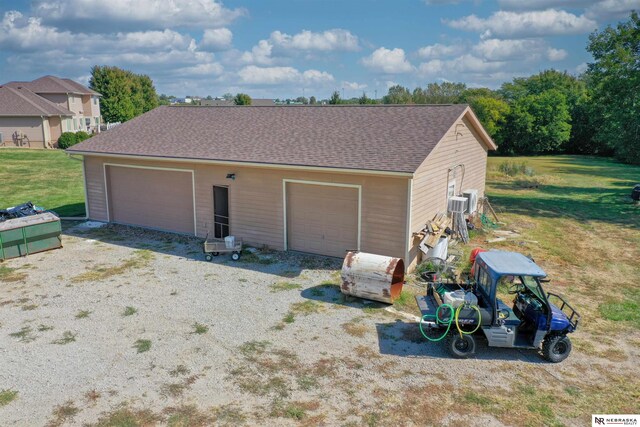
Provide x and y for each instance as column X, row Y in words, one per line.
column 438, row 321
column 475, row 307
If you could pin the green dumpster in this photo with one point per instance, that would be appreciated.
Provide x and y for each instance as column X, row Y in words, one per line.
column 29, row 234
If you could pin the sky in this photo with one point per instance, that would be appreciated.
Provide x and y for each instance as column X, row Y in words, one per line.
column 286, row 49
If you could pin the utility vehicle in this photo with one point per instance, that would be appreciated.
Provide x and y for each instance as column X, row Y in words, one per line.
column 460, row 313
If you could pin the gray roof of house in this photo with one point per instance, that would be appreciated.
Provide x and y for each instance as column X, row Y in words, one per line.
column 53, row 84
column 19, row 101
column 392, row 138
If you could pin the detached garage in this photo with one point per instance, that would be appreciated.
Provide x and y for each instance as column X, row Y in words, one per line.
column 317, row 179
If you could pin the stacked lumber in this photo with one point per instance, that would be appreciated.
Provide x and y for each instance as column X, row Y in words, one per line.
column 435, row 228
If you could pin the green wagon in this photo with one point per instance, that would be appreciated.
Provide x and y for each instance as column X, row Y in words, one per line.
column 29, row 234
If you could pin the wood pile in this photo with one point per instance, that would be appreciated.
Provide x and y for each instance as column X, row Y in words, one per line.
column 433, row 229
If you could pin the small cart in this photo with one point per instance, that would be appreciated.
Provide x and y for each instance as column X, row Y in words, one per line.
column 214, row 247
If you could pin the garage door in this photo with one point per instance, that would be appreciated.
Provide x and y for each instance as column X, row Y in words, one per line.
column 322, row 219
column 154, row 198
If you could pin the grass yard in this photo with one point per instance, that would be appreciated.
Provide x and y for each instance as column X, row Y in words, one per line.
column 48, row 178
column 576, row 219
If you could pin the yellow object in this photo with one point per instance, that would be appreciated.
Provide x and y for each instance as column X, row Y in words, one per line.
column 458, row 310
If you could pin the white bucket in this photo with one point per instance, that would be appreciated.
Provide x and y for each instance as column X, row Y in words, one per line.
column 230, row 242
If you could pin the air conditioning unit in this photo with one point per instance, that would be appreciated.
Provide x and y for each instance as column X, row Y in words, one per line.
column 472, row 196
column 457, row 204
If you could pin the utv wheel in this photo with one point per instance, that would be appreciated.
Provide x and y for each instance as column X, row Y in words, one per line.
column 235, row 256
column 208, row 257
column 461, row 347
column 556, row 348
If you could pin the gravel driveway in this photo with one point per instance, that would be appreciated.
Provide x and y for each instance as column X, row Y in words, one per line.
column 130, row 327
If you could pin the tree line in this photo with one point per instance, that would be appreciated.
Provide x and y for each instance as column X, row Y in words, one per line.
column 597, row 112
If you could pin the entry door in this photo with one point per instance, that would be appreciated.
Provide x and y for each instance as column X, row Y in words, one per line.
column 220, row 211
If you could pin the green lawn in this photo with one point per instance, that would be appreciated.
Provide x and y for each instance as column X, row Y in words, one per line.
column 48, row 178
column 576, row 219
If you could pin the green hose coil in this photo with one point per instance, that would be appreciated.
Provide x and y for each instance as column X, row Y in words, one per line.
column 450, row 321
column 438, row 321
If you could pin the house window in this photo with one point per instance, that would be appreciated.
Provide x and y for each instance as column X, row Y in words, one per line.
column 97, row 121
column 95, row 100
column 451, row 189
column 75, row 124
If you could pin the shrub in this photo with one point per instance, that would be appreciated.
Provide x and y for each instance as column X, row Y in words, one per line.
column 515, row 169
column 66, row 140
column 82, row 135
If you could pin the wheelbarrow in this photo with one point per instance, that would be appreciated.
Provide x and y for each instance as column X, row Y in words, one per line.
column 215, row 247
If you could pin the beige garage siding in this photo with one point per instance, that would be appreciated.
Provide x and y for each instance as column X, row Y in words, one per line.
column 461, row 145
column 155, row 198
column 322, row 219
column 256, row 201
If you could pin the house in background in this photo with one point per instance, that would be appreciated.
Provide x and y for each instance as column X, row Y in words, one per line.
column 80, row 104
column 318, row 179
column 29, row 120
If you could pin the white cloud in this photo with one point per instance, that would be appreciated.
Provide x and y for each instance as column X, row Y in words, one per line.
column 581, row 68
column 253, row 75
column 216, row 39
column 103, row 15
column 330, row 40
column 544, row 4
column 439, row 50
column 556, row 54
column 207, row 69
column 612, row 9
column 388, row 61
column 18, row 33
column 545, row 23
column 353, row 85
column 500, row 50
column 279, row 44
column 432, row 68
column 260, row 54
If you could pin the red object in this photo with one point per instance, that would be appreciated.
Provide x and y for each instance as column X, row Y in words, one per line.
column 472, row 258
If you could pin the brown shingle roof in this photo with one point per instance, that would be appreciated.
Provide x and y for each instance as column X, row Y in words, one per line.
column 53, row 84
column 19, row 101
column 379, row 138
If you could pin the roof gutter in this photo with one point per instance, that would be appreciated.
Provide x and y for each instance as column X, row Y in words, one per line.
column 246, row 164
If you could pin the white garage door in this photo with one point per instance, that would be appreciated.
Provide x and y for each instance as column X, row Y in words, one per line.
column 322, row 219
column 154, row 198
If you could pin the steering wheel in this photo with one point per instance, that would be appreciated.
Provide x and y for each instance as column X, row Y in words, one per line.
column 515, row 288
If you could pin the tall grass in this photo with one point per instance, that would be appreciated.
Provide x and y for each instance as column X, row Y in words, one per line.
column 515, row 169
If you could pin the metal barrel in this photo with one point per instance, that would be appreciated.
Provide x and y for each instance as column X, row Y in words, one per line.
column 374, row 277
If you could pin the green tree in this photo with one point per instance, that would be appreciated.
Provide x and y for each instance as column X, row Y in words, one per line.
column 364, row 100
column 125, row 95
column 537, row 123
column 242, row 99
column 149, row 94
column 164, row 99
column 614, row 80
column 492, row 113
column 335, row 98
column 397, row 95
column 442, row 93
column 228, row 96
column 114, row 85
column 313, row 100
